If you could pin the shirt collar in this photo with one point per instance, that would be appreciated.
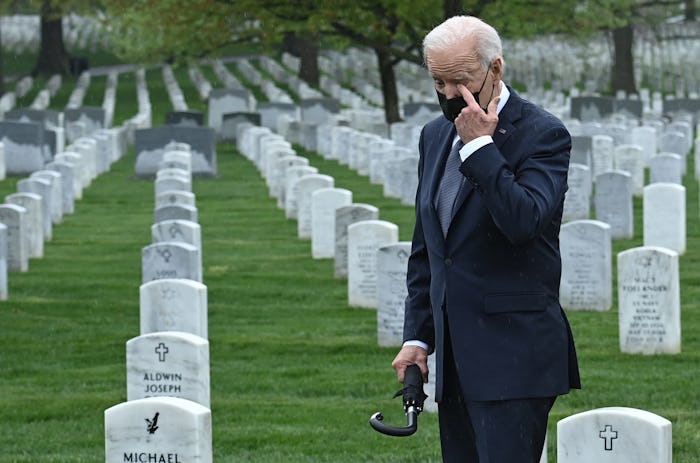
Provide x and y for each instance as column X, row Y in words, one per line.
column 505, row 94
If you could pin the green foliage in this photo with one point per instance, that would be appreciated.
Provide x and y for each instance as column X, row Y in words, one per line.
column 149, row 31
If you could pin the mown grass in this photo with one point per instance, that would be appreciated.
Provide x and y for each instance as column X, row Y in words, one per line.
column 295, row 372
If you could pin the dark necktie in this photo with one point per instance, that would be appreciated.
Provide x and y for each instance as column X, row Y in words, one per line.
column 452, row 179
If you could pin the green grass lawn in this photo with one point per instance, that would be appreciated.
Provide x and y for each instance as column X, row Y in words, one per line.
column 295, row 372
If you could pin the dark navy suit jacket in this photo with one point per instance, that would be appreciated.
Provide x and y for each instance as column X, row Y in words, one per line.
column 495, row 276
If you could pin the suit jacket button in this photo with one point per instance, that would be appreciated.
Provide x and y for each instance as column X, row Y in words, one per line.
column 448, row 261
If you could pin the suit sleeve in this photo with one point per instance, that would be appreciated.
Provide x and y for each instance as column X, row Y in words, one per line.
column 418, row 318
column 524, row 199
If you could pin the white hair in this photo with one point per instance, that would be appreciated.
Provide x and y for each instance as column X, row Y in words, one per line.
column 460, row 30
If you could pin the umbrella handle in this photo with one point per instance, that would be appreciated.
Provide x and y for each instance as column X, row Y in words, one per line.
column 413, row 405
column 376, row 421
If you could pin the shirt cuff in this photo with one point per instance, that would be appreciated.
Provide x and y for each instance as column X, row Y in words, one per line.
column 415, row 342
column 470, row 148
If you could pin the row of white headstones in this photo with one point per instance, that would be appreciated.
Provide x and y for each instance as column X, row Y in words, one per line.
column 167, row 415
column 367, row 252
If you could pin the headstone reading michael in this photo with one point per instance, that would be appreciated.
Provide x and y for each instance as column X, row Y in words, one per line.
column 158, row 429
column 168, row 363
column 364, row 240
column 614, row 435
column 649, row 301
column 173, row 304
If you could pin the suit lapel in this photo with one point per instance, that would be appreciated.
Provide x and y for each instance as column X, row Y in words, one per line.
column 505, row 128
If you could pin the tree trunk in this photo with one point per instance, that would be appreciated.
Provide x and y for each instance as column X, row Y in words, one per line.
column 623, row 64
column 53, row 58
column 2, row 68
column 690, row 11
column 389, row 89
column 452, row 8
column 307, row 47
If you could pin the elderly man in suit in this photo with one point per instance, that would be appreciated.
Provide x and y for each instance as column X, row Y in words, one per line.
column 483, row 276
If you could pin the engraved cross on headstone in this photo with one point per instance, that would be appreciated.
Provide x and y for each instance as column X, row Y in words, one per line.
column 161, row 350
column 609, row 435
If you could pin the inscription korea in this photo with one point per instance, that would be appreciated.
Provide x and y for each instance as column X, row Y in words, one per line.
column 646, row 294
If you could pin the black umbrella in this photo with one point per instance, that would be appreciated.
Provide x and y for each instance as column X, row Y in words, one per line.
column 413, row 398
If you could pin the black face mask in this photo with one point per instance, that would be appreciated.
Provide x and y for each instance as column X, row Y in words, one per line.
column 453, row 106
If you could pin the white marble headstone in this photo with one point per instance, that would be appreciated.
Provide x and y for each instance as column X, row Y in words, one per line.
column 276, row 177
column 175, row 197
column 14, row 218
column 631, row 158
column 324, row 202
column 168, row 429
column 168, row 363
column 664, row 216
column 175, row 212
column 42, row 188
column 577, row 202
column 56, row 185
column 649, row 301
column 392, row 265
column 666, row 168
column 292, row 176
column 613, row 203
column 173, row 304
column 614, row 435
column 364, row 240
column 645, row 136
column 586, row 265
column 344, row 216
column 407, row 170
column 172, row 183
column 304, row 188
column 602, row 147
column 170, row 259
column 67, row 171
column 34, row 221
column 185, row 231
column 3, row 263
